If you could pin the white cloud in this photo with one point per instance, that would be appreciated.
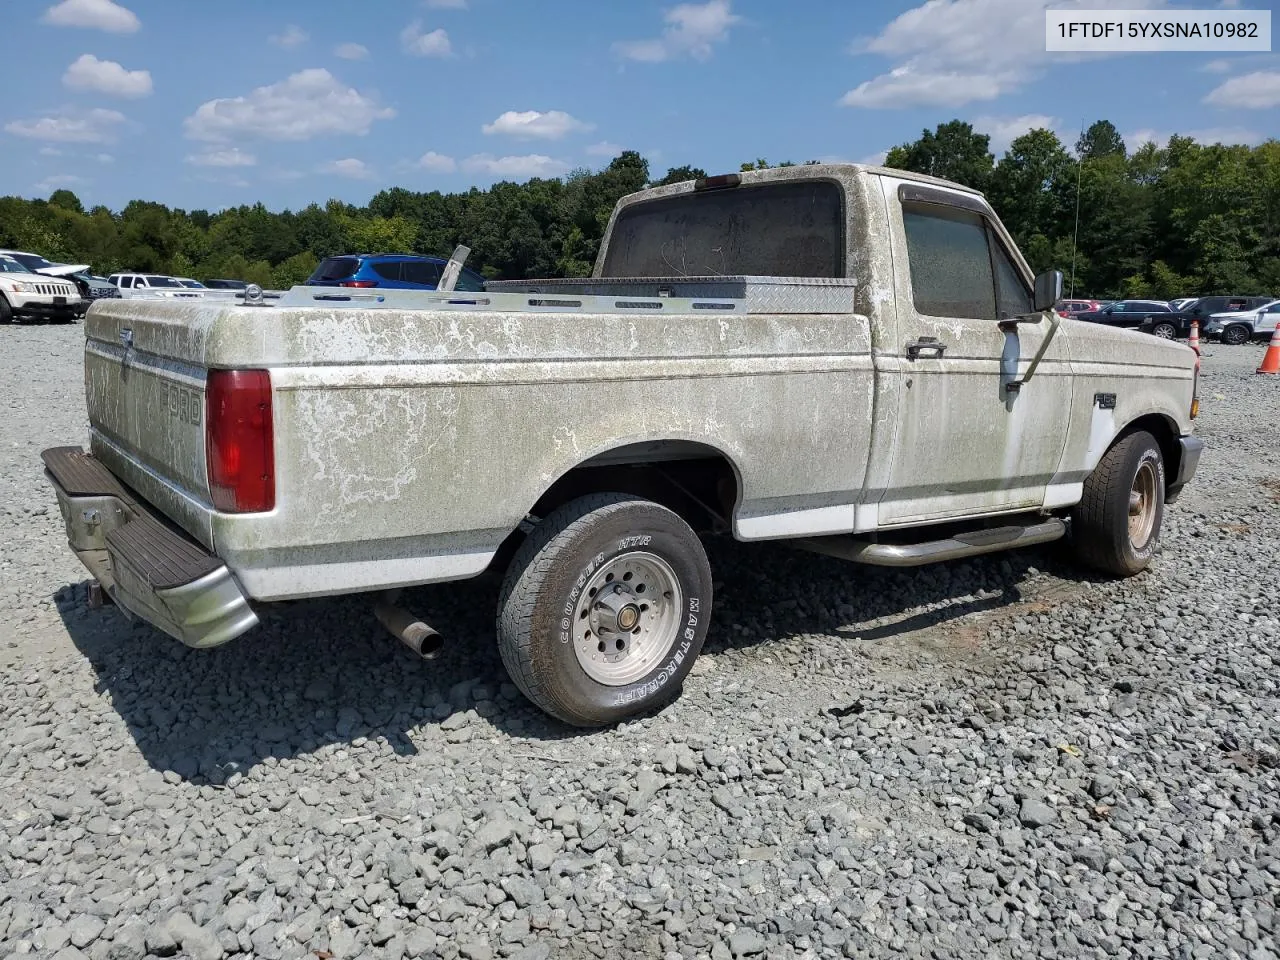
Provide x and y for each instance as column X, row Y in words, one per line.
column 531, row 165
column 419, row 44
column 105, row 158
column 446, row 4
column 351, row 51
column 436, row 162
column 292, row 36
column 107, row 76
column 1216, row 66
column 534, row 125
column 60, row 180
column 350, row 167
column 1253, row 91
column 1206, row 135
column 872, row 159
column 50, row 152
column 71, row 126
column 1004, row 130
column 232, row 157
column 691, row 30
column 604, row 149
column 95, row 14
column 953, row 52
column 310, row 103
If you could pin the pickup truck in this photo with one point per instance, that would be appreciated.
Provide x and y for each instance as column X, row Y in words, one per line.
column 852, row 359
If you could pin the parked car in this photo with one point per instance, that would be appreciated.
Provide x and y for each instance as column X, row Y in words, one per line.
column 1178, row 324
column 192, row 284
column 398, row 271
column 94, row 287
column 226, row 284
column 873, row 358
column 1244, row 325
column 25, row 293
column 1181, row 302
column 1071, row 308
column 151, row 286
column 1126, row 314
column 38, row 264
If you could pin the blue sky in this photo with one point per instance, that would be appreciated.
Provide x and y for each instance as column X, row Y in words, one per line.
column 204, row 105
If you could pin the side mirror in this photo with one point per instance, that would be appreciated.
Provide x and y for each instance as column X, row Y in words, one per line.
column 1048, row 290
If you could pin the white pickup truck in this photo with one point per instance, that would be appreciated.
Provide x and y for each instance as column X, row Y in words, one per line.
column 850, row 358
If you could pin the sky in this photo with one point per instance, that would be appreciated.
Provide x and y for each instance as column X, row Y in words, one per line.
column 288, row 102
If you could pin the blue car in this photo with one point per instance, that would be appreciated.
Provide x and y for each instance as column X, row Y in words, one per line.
column 399, row 271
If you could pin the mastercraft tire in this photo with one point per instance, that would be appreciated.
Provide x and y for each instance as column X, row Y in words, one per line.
column 1116, row 526
column 604, row 609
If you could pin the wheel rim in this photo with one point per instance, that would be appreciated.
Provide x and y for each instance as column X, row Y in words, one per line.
column 1234, row 336
column 1142, row 506
column 626, row 618
column 1164, row 332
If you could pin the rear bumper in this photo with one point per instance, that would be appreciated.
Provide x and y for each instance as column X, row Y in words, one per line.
column 148, row 568
column 1188, row 461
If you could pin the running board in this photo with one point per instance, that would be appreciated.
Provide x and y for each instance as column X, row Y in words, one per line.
column 933, row 551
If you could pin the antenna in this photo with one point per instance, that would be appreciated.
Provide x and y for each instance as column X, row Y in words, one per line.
column 1075, row 239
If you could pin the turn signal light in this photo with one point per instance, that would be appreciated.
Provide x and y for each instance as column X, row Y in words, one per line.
column 240, row 441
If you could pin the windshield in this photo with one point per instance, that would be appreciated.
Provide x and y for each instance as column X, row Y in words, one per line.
column 162, row 282
column 10, row 265
column 791, row 229
column 32, row 261
column 194, row 284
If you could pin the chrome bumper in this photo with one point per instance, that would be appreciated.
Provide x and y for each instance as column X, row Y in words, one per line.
column 147, row 568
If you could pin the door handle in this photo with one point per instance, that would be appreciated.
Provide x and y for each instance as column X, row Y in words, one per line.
column 925, row 344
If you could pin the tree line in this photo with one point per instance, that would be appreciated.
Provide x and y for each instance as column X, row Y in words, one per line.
column 1182, row 219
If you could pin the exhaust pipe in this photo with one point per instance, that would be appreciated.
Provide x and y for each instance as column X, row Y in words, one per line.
column 408, row 629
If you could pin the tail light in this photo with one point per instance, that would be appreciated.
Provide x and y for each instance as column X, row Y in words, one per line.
column 358, row 283
column 240, row 441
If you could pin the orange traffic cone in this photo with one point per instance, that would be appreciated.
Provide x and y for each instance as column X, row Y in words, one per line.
column 1271, row 361
column 1194, row 340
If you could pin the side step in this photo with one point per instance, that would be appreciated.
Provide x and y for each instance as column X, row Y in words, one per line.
column 971, row 544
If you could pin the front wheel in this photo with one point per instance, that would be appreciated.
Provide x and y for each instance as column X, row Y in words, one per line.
column 1116, row 525
column 6, row 311
column 1237, row 335
column 1165, row 331
column 604, row 609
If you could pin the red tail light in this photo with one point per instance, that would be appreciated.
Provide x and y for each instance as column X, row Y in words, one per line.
column 240, row 441
column 358, row 283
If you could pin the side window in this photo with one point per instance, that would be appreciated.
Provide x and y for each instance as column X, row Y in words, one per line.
column 387, row 271
column 949, row 261
column 1013, row 299
column 470, row 281
column 126, row 282
column 418, row 271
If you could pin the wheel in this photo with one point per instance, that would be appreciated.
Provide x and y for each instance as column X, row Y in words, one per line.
column 1116, row 525
column 6, row 311
column 1237, row 334
column 604, row 608
column 1165, row 331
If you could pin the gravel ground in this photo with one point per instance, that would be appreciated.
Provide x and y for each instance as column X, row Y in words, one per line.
column 1002, row 757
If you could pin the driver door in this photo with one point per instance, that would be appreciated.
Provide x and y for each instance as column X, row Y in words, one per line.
column 964, row 444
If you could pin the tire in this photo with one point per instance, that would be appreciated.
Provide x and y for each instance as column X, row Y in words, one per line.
column 1106, row 531
column 573, row 658
column 6, row 311
column 1165, row 331
column 1236, row 335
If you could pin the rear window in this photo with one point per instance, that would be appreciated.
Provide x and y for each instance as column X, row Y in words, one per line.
column 335, row 268
column 793, row 229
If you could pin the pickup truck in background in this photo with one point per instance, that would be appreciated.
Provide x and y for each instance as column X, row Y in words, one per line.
column 852, row 359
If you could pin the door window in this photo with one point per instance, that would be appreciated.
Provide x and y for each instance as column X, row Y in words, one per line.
column 388, row 271
column 958, row 266
column 420, row 271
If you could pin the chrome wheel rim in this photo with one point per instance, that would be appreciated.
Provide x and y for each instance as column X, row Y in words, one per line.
column 626, row 618
column 1164, row 332
column 1142, row 505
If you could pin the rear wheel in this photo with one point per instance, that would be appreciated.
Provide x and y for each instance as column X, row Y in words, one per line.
column 1237, row 334
column 1165, row 331
column 604, row 609
column 1116, row 525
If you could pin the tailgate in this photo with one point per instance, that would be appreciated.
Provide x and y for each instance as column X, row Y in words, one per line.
column 145, row 388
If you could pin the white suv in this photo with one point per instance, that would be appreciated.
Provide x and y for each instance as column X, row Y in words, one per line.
column 150, row 286
column 27, row 294
column 1242, row 326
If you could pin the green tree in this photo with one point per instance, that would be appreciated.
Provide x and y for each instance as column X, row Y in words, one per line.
column 1102, row 139
column 952, row 151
